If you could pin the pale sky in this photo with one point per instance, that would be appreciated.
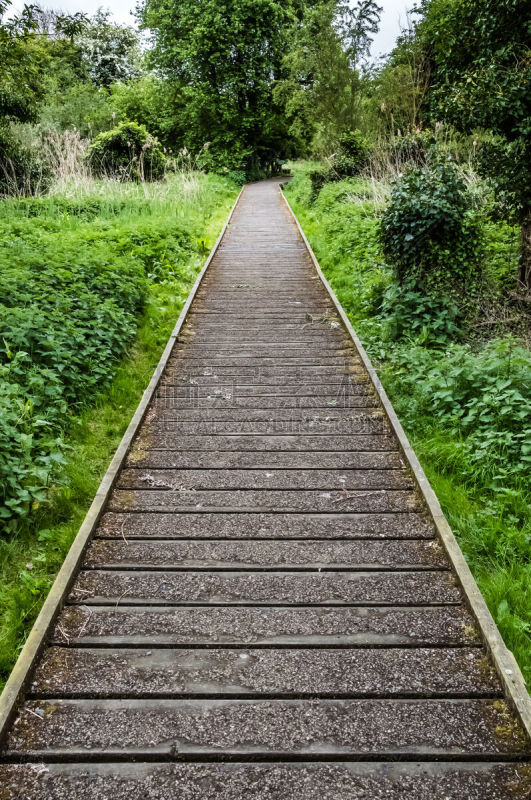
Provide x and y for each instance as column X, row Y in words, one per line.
column 393, row 15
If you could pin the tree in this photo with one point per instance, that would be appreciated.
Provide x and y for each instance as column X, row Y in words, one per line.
column 224, row 56
column 111, row 52
column 400, row 85
column 322, row 87
column 21, row 59
column 480, row 53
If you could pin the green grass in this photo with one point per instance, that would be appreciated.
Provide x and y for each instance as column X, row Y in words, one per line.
column 466, row 408
column 33, row 549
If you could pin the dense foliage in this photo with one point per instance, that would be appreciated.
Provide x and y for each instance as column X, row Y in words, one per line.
column 127, row 151
column 223, row 56
column 74, row 276
column 429, row 232
column 480, row 76
column 351, row 158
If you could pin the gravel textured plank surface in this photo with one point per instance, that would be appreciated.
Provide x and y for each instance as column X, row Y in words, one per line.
column 339, row 588
column 178, row 728
column 266, row 555
column 265, row 526
column 346, row 673
column 277, row 781
column 265, row 626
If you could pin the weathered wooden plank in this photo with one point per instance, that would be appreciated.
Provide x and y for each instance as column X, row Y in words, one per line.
column 178, row 500
column 229, row 459
column 273, row 443
column 245, row 372
column 250, row 386
column 348, row 728
column 265, row 526
column 299, row 781
column 318, row 425
column 165, row 412
column 420, row 672
column 376, row 627
column 222, row 479
column 236, row 588
column 224, row 397
column 163, row 426
column 238, row 554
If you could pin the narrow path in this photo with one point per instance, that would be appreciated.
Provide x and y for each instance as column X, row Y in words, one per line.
column 266, row 610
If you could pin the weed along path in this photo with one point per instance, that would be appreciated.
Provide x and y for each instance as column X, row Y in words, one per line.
column 265, row 600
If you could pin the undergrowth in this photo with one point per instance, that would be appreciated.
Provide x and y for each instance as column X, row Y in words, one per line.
column 464, row 400
column 95, row 279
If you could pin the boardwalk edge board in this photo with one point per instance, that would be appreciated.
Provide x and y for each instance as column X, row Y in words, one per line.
column 506, row 665
column 21, row 673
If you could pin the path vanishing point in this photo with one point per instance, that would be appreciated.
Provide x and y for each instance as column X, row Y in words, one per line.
column 264, row 602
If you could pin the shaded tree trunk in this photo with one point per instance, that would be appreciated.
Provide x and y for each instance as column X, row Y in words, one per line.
column 524, row 271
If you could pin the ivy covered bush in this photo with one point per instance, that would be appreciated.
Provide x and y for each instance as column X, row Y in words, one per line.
column 429, row 231
column 127, row 152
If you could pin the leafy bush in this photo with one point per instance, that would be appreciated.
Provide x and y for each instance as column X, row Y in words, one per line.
column 23, row 171
column 480, row 398
column 408, row 313
column 502, row 163
column 127, row 152
column 429, row 232
column 353, row 145
column 352, row 156
column 68, row 309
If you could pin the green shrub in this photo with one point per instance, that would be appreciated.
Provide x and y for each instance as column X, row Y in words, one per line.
column 127, row 152
column 354, row 147
column 68, row 307
column 408, row 313
column 479, row 397
column 23, row 171
column 429, row 233
column 501, row 163
column 350, row 159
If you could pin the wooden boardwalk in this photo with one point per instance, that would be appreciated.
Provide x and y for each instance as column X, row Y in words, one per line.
column 270, row 606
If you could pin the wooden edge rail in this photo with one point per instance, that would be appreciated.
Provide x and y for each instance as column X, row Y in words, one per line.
column 21, row 673
column 505, row 663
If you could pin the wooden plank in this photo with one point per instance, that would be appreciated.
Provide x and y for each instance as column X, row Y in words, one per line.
column 264, row 526
column 290, row 588
column 82, row 672
column 299, row 781
column 275, row 728
column 163, row 626
column 177, row 501
column 223, row 479
column 272, row 443
column 238, row 554
column 242, row 459
column 315, row 426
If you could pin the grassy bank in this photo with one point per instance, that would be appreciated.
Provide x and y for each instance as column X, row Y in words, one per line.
column 96, row 274
column 462, row 396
